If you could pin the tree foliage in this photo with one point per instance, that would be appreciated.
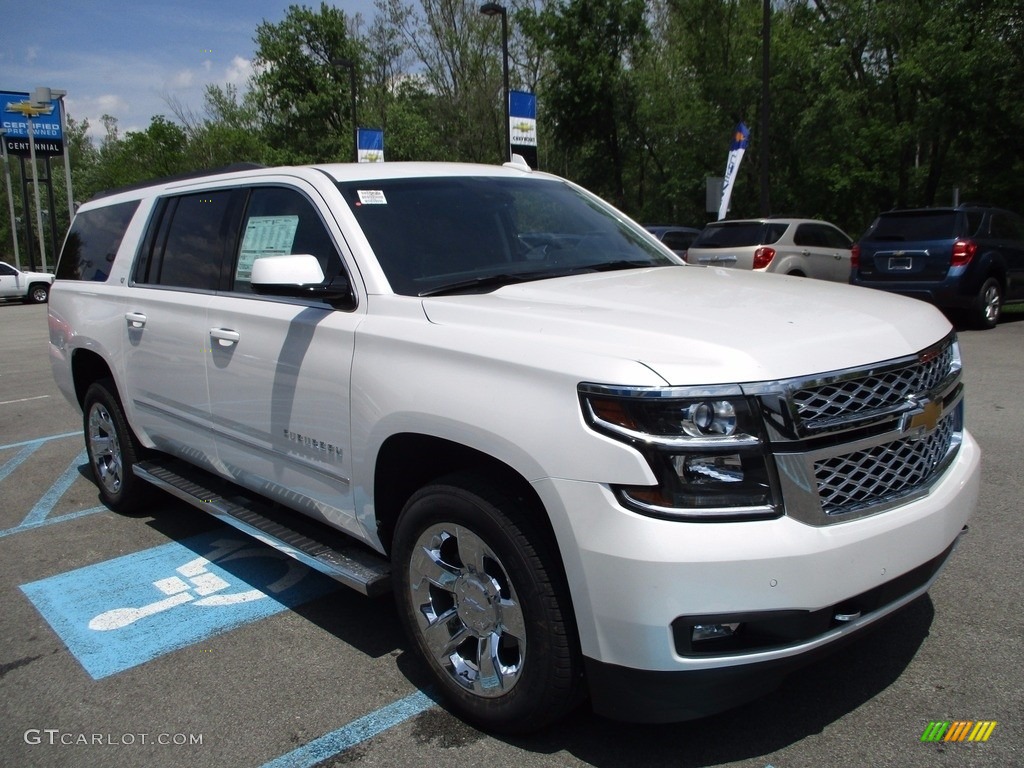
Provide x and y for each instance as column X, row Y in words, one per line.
column 874, row 103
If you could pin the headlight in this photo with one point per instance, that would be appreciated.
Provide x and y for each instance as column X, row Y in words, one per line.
column 706, row 447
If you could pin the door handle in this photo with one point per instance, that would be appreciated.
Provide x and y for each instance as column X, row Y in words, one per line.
column 135, row 319
column 805, row 252
column 225, row 336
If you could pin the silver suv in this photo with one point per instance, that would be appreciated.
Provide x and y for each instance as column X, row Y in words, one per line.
column 802, row 247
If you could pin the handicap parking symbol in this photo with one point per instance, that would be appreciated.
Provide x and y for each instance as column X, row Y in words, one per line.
column 124, row 612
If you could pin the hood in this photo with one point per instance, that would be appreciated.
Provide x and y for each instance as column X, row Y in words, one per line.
column 696, row 325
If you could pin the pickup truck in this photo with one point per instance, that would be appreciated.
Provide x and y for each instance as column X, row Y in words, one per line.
column 29, row 287
column 585, row 469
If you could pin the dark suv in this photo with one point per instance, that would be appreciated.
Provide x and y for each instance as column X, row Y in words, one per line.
column 968, row 259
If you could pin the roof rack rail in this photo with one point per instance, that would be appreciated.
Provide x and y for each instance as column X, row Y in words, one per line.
column 232, row 168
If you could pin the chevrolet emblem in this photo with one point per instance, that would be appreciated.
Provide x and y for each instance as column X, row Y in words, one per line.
column 921, row 421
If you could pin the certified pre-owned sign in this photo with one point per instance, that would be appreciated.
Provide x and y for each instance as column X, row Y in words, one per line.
column 18, row 109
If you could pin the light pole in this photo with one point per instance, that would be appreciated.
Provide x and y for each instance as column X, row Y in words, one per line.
column 35, row 183
column 766, row 73
column 350, row 65
column 494, row 9
column 10, row 197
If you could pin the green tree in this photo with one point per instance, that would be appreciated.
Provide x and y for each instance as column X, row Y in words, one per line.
column 590, row 95
column 305, row 97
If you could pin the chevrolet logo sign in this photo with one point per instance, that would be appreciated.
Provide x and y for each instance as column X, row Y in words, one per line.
column 28, row 109
column 921, row 421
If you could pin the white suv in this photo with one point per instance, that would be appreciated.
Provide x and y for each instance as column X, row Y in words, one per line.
column 580, row 464
column 800, row 247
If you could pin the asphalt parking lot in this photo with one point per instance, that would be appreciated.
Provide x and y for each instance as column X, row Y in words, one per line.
column 166, row 639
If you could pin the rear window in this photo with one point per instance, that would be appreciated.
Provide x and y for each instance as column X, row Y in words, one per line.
column 739, row 234
column 93, row 241
column 909, row 227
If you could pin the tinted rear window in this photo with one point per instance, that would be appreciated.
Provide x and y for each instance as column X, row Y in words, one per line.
column 927, row 225
column 738, row 235
column 93, row 241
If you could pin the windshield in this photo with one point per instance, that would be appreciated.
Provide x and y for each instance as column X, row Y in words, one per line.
column 462, row 234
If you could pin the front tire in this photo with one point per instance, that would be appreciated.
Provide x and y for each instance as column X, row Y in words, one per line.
column 481, row 596
column 112, row 448
column 38, row 293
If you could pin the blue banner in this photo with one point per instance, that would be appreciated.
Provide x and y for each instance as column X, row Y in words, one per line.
column 371, row 145
column 740, row 140
column 522, row 125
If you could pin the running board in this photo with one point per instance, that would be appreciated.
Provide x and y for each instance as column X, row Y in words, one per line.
column 328, row 551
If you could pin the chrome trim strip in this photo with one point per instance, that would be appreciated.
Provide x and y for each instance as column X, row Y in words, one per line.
column 696, row 513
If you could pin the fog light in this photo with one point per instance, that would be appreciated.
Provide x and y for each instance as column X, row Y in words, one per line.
column 712, row 631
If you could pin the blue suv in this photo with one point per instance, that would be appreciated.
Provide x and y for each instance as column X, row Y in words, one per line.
column 968, row 259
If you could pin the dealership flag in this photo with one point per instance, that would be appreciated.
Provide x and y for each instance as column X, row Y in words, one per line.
column 522, row 125
column 740, row 139
column 371, row 145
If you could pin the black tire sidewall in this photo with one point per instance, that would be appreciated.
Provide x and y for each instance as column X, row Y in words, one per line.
column 133, row 490
column 540, row 695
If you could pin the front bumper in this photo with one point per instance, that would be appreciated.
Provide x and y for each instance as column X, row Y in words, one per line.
column 632, row 578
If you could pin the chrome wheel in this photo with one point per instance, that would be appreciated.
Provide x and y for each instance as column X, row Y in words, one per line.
column 991, row 300
column 39, row 294
column 105, row 450
column 467, row 610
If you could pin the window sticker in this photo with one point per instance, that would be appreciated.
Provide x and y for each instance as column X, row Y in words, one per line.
column 265, row 236
column 371, row 197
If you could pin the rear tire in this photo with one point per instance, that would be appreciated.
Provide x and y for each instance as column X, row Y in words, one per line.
column 482, row 598
column 113, row 449
column 988, row 304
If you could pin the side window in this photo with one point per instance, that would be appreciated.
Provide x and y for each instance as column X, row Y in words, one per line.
column 6, row 271
column 1005, row 226
column 280, row 221
column 835, row 238
column 974, row 220
column 773, row 232
column 93, row 240
column 808, row 235
column 189, row 238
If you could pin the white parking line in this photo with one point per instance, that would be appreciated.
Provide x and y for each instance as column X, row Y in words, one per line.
column 24, row 399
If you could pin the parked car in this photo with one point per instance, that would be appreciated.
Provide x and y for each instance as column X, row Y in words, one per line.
column 801, row 247
column 968, row 259
column 29, row 287
column 676, row 238
column 585, row 470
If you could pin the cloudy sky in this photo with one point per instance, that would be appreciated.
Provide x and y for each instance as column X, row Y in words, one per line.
column 127, row 59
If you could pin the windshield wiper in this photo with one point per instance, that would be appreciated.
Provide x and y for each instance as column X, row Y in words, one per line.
column 611, row 266
column 488, row 282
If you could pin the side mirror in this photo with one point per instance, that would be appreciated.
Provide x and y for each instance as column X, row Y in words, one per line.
column 298, row 276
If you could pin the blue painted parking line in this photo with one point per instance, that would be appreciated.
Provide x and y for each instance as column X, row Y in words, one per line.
column 20, row 457
column 39, row 515
column 37, row 441
column 357, row 731
column 45, row 505
column 124, row 612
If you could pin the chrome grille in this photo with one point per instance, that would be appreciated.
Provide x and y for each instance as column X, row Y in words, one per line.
column 873, row 391
column 883, row 471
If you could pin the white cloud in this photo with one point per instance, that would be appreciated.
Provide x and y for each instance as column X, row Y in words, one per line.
column 182, row 79
column 31, row 53
column 239, row 72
